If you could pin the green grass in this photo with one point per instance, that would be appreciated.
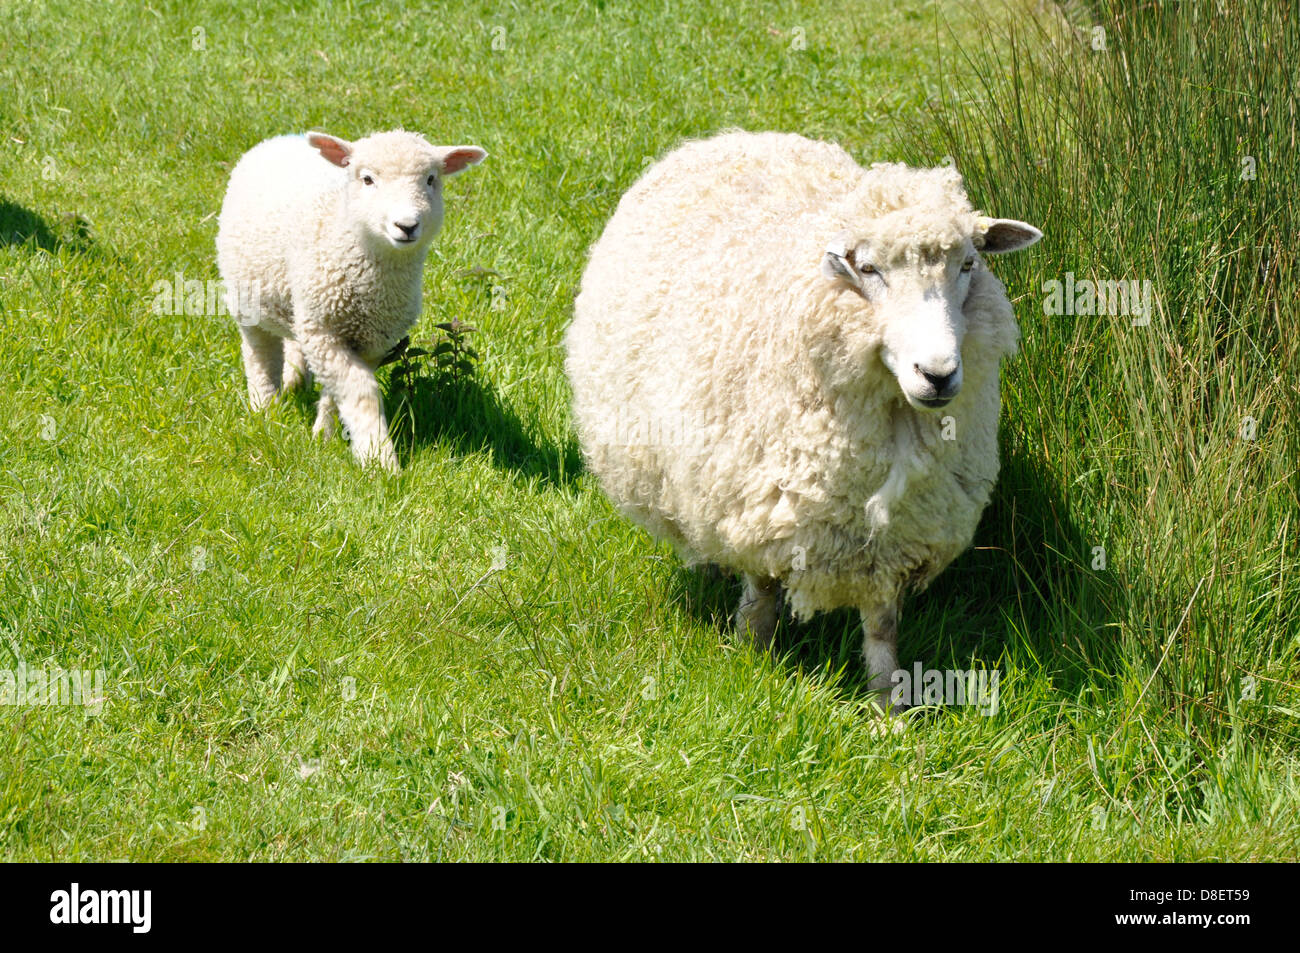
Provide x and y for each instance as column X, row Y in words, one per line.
column 307, row 661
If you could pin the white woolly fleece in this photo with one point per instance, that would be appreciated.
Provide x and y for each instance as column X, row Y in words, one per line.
column 731, row 398
column 321, row 244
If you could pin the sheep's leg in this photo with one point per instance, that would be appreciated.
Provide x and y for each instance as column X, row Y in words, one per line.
column 295, row 366
column 758, row 609
column 880, row 652
column 263, row 358
column 348, row 383
column 325, row 416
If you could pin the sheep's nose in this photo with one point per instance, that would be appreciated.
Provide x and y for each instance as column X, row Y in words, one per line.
column 942, row 383
column 408, row 230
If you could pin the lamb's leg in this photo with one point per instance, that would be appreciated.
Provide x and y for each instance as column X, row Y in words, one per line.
column 880, row 652
column 263, row 358
column 295, row 366
column 758, row 609
column 349, row 383
column 325, row 416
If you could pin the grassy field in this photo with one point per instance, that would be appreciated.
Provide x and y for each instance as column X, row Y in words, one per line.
column 479, row 659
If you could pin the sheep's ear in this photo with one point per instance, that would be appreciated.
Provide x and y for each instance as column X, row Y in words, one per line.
column 998, row 235
column 453, row 159
column 837, row 264
column 337, row 151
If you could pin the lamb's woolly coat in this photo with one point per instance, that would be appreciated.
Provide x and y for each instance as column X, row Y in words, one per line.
column 730, row 398
column 283, row 226
column 312, row 280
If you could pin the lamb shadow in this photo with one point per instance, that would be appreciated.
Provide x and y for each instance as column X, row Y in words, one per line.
column 1027, row 571
column 21, row 226
column 467, row 416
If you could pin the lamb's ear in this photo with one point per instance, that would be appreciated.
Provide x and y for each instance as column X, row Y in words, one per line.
column 453, row 159
column 337, row 151
column 995, row 236
column 837, row 263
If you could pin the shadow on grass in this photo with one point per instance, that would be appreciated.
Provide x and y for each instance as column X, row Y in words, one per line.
column 21, row 226
column 467, row 416
column 1027, row 572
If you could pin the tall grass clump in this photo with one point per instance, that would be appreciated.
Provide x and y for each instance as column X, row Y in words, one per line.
column 1156, row 143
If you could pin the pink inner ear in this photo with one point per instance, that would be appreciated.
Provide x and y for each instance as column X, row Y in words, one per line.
column 457, row 159
column 333, row 150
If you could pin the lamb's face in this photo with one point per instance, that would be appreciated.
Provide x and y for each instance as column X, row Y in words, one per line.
column 915, row 293
column 393, row 192
column 395, row 199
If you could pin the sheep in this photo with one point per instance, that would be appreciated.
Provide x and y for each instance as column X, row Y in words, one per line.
column 321, row 244
column 787, row 366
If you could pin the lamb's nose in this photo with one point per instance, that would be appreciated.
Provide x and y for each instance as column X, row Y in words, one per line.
column 942, row 383
column 408, row 230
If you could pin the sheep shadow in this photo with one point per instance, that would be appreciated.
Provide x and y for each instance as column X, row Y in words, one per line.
column 1023, row 593
column 19, row 225
column 464, row 415
column 467, row 416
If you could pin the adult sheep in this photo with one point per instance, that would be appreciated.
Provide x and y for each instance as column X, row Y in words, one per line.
column 321, row 246
column 763, row 340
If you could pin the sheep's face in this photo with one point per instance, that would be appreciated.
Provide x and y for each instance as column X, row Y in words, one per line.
column 916, row 294
column 393, row 191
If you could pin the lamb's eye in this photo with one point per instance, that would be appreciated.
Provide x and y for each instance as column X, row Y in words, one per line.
column 368, row 179
column 967, row 265
column 867, row 269
column 433, row 180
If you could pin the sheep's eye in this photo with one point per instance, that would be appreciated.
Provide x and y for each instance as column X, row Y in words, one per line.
column 368, row 179
column 433, row 180
column 967, row 265
column 867, row 269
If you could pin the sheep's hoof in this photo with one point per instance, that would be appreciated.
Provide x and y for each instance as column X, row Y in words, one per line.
column 295, row 377
column 884, row 712
column 385, row 459
column 260, row 401
column 760, row 631
column 881, row 726
column 760, row 606
column 383, row 464
column 880, row 704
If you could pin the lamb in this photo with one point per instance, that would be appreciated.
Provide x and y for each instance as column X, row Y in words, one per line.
column 787, row 366
column 321, row 244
